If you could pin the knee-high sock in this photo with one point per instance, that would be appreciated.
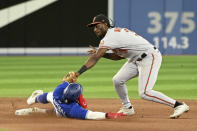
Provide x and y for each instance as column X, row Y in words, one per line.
column 122, row 91
column 42, row 98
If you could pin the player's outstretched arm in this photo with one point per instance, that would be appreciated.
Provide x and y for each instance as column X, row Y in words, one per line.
column 111, row 56
column 91, row 115
column 92, row 60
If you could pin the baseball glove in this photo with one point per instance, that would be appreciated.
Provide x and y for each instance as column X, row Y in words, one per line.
column 70, row 77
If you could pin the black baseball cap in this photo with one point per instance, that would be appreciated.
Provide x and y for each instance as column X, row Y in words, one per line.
column 99, row 19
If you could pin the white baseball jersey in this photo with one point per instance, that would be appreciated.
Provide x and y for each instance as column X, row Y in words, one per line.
column 128, row 44
column 125, row 43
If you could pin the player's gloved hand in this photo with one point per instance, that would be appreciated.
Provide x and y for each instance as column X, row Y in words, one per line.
column 112, row 115
column 70, row 77
column 82, row 101
column 92, row 51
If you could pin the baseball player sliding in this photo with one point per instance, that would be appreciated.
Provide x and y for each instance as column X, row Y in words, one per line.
column 68, row 101
column 144, row 61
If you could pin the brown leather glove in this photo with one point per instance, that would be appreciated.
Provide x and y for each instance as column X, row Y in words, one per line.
column 70, row 77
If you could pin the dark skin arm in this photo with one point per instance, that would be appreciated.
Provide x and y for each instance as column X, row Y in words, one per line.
column 111, row 56
column 93, row 59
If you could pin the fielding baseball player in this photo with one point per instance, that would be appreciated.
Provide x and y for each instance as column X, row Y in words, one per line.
column 68, row 101
column 144, row 60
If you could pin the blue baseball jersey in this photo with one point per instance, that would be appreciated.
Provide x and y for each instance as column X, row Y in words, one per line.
column 73, row 110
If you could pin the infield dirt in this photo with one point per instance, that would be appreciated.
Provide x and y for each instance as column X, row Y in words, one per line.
column 149, row 116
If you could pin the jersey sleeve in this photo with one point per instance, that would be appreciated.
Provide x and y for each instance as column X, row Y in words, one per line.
column 77, row 112
column 72, row 110
column 109, row 41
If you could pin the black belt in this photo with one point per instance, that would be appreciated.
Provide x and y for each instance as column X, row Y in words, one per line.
column 144, row 55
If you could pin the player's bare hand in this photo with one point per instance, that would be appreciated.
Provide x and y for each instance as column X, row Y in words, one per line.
column 92, row 50
column 70, row 77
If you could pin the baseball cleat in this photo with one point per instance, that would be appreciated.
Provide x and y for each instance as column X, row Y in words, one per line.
column 179, row 110
column 32, row 98
column 127, row 111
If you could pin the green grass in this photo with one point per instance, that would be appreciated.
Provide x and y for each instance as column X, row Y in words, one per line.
column 3, row 130
column 20, row 75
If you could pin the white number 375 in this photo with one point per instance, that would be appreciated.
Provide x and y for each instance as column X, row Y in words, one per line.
column 186, row 20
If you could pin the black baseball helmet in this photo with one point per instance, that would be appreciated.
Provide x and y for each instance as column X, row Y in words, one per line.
column 100, row 19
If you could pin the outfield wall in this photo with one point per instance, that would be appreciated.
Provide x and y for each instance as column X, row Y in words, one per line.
column 58, row 27
column 169, row 24
column 47, row 26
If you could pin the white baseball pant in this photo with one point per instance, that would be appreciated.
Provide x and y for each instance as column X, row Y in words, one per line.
column 147, row 69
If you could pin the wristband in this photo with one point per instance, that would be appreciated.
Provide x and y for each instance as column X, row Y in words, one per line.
column 106, row 115
column 83, row 69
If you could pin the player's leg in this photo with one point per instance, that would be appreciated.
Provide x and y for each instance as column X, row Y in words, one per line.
column 39, row 96
column 28, row 111
column 42, row 98
column 36, row 97
column 148, row 72
column 33, row 98
column 128, row 71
